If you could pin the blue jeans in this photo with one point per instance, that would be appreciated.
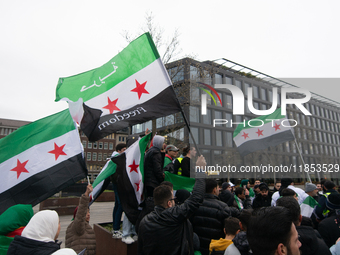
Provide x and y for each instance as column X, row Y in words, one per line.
column 128, row 228
column 117, row 210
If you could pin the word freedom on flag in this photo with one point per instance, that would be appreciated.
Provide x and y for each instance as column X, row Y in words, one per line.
column 249, row 138
column 40, row 159
column 132, row 88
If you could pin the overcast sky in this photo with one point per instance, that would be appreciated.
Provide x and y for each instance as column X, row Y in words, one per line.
column 44, row 40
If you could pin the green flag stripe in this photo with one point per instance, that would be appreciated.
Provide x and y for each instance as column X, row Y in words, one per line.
column 143, row 143
column 265, row 118
column 35, row 133
column 136, row 56
column 110, row 170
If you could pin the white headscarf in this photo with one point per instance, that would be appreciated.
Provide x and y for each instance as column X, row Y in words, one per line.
column 65, row 251
column 43, row 226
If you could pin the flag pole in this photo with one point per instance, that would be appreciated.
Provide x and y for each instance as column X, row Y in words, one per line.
column 303, row 162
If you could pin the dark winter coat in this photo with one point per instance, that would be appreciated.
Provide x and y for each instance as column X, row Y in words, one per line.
column 260, row 201
column 168, row 231
column 208, row 220
column 79, row 234
column 310, row 243
column 153, row 167
column 242, row 244
column 329, row 229
column 26, row 246
column 227, row 197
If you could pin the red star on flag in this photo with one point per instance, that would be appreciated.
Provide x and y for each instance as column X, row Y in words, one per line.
column 134, row 167
column 137, row 185
column 245, row 135
column 277, row 126
column 111, row 105
column 20, row 168
column 58, row 151
column 140, row 89
column 259, row 132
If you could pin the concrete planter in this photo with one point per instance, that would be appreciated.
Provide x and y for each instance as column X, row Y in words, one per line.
column 106, row 245
column 108, row 196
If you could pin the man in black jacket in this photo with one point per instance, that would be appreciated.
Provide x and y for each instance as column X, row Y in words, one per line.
column 310, row 242
column 208, row 220
column 264, row 198
column 167, row 230
column 225, row 194
column 153, row 165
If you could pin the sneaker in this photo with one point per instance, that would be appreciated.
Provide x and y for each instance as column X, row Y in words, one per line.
column 127, row 240
column 135, row 237
column 117, row 234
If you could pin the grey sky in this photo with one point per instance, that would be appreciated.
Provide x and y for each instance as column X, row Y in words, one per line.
column 44, row 40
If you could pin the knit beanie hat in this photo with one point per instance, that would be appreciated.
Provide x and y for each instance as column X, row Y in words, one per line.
column 333, row 201
column 225, row 185
column 310, row 187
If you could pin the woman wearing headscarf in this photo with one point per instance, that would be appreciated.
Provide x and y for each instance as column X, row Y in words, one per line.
column 39, row 236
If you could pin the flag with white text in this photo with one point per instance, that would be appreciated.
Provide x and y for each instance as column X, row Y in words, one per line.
column 132, row 88
column 40, row 159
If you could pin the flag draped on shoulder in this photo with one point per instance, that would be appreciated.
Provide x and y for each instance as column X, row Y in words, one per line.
column 262, row 132
column 130, row 177
column 40, row 159
column 180, row 182
column 308, row 206
column 132, row 88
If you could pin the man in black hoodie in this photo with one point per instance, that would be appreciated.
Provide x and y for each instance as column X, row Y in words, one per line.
column 311, row 244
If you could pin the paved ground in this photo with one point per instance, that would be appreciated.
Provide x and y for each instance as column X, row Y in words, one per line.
column 100, row 212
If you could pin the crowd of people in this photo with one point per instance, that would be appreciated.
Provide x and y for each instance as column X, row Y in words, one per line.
column 215, row 218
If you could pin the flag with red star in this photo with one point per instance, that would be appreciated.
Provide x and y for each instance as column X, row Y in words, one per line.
column 40, row 159
column 130, row 177
column 262, row 132
column 132, row 88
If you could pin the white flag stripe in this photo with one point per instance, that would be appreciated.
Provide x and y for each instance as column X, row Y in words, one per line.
column 268, row 130
column 133, row 153
column 38, row 162
column 128, row 99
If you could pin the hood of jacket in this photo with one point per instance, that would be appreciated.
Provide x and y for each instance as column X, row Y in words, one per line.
column 158, row 141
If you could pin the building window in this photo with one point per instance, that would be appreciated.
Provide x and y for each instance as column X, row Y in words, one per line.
column 195, row 134
column 228, row 80
column 104, row 156
column 194, row 114
column 218, row 115
column 84, row 143
column 89, row 145
column 238, row 84
column 207, row 137
column 88, row 156
column 229, row 139
column 246, row 86
column 219, row 138
column 95, row 145
column 100, row 157
column 105, row 146
column 263, row 94
column 94, row 156
column 256, row 91
column 218, row 78
column 100, row 145
column 110, row 146
column 228, row 102
column 207, row 117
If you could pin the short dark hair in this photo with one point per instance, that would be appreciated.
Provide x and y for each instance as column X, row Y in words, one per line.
column 120, row 146
column 268, row 227
column 293, row 207
column 244, row 217
column 287, row 192
column 239, row 191
column 169, row 184
column 161, row 195
column 231, row 225
column 186, row 150
column 329, row 185
column 210, row 184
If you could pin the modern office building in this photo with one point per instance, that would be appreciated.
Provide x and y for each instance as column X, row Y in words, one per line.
column 317, row 135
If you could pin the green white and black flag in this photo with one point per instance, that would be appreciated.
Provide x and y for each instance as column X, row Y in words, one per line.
column 132, row 88
column 40, row 159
